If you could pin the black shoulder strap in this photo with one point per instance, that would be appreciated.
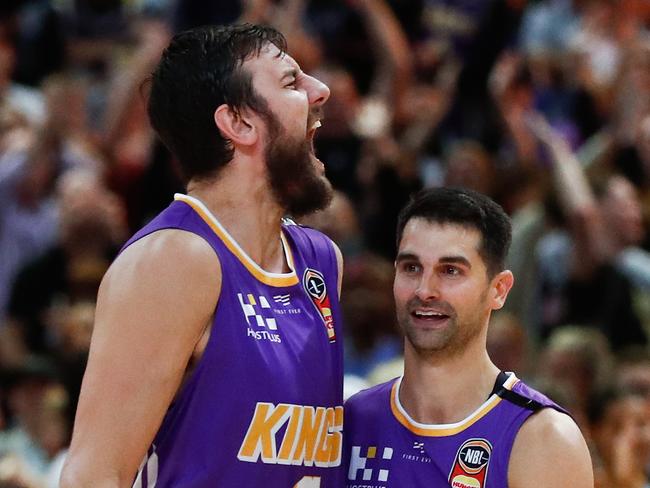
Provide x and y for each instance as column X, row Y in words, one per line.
column 513, row 397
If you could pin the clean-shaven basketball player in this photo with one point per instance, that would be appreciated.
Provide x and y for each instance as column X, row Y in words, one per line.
column 454, row 419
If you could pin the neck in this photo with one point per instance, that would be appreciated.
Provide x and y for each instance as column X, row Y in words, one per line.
column 446, row 389
column 247, row 209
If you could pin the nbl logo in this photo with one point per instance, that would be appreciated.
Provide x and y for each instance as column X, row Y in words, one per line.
column 471, row 465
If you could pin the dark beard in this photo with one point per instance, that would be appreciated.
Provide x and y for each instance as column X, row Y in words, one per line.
column 294, row 181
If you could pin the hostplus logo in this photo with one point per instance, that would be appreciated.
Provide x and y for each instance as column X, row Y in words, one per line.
column 368, row 470
column 261, row 325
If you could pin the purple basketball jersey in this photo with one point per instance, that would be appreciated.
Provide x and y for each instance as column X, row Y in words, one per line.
column 385, row 448
column 263, row 406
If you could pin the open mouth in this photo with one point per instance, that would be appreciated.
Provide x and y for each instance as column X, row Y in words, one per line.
column 429, row 316
column 311, row 132
column 310, row 137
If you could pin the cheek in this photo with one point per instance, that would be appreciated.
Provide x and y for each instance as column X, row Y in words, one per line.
column 295, row 104
column 459, row 287
column 466, row 295
column 402, row 290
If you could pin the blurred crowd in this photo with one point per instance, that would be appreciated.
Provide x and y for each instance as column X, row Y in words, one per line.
column 543, row 105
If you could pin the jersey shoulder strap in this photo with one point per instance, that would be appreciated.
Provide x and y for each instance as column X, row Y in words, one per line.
column 513, row 397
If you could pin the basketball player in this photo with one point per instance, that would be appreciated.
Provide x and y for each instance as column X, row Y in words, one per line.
column 454, row 419
column 219, row 283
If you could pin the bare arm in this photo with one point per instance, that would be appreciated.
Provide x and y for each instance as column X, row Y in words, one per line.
column 550, row 451
column 391, row 50
column 153, row 306
column 569, row 178
column 513, row 100
column 124, row 94
column 593, row 243
column 432, row 109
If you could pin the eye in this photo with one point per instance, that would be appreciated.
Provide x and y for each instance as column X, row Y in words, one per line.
column 410, row 268
column 451, row 271
column 291, row 86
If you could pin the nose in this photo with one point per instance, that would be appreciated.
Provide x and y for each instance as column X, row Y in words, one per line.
column 427, row 288
column 318, row 91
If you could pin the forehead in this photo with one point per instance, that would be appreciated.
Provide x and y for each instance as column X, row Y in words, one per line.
column 432, row 241
column 270, row 63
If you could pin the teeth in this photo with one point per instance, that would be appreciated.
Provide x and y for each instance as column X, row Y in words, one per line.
column 428, row 314
column 316, row 125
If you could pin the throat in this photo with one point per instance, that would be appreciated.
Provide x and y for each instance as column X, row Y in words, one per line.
column 446, row 393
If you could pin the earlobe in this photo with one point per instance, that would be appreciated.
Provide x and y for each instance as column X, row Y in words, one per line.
column 235, row 126
column 502, row 284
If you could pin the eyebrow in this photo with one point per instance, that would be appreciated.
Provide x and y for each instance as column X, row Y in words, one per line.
column 455, row 260
column 406, row 256
column 409, row 256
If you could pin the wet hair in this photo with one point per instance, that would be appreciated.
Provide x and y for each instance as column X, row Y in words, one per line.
column 466, row 208
column 200, row 70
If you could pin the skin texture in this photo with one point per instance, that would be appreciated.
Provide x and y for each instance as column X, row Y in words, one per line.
column 158, row 298
column 143, row 338
column 453, row 284
column 447, row 371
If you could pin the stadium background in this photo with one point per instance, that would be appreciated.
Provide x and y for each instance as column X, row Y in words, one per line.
column 543, row 105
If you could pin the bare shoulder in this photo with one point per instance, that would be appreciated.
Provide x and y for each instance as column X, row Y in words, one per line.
column 169, row 277
column 174, row 254
column 551, row 450
column 167, row 248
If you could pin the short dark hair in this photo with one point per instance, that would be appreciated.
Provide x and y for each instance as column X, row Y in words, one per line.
column 200, row 70
column 466, row 208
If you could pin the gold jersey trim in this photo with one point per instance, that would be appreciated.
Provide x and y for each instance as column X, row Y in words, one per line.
column 441, row 430
column 271, row 279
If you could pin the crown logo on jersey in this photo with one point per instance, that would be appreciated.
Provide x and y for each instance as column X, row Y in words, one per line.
column 471, row 465
column 314, row 283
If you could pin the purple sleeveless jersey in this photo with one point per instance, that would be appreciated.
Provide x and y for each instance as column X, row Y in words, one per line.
column 385, row 448
column 263, row 406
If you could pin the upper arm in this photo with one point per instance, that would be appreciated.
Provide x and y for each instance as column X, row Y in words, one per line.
column 339, row 266
column 153, row 306
column 550, row 449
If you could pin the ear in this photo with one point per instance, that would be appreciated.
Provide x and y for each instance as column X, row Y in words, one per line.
column 501, row 285
column 235, row 125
